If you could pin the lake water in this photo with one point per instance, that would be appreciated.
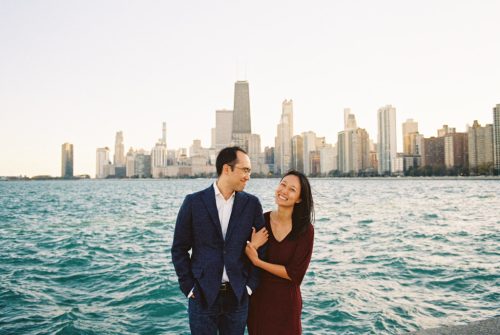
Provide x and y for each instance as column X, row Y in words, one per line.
column 390, row 255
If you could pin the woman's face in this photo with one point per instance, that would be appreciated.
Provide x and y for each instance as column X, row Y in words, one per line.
column 288, row 191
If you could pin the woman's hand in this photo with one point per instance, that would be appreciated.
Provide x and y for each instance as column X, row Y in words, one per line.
column 252, row 254
column 259, row 238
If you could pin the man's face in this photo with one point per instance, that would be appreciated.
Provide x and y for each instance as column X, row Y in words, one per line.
column 240, row 174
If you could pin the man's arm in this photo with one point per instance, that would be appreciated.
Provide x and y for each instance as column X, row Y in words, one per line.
column 254, row 273
column 182, row 243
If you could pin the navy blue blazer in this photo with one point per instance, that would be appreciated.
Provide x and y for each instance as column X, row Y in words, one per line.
column 198, row 229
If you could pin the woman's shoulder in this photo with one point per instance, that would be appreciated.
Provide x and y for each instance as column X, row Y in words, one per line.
column 308, row 232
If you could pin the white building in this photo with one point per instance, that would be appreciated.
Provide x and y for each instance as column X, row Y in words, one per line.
column 102, row 163
column 387, row 145
column 223, row 128
column 119, row 157
column 328, row 157
column 158, row 160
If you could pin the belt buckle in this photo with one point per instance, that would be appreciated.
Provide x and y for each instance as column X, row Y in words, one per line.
column 224, row 287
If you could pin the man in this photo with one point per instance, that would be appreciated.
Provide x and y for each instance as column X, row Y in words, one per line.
column 215, row 224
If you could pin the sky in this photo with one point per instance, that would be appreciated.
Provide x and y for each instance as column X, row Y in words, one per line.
column 79, row 71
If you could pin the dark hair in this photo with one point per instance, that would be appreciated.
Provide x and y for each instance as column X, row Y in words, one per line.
column 227, row 156
column 303, row 212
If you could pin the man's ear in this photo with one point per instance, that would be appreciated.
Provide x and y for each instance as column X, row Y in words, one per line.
column 226, row 168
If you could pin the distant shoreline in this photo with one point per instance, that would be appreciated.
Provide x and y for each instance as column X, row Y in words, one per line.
column 7, row 179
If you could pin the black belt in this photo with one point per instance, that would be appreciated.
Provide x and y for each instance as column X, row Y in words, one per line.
column 224, row 287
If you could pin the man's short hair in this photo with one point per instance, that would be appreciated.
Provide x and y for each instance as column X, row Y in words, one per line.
column 227, row 156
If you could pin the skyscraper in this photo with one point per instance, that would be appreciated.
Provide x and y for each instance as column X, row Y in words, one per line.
column 283, row 140
column 159, row 155
column 242, row 127
column 67, row 160
column 309, row 145
column 298, row 153
column 102, row 163
column 119, row 157
column 353, row 146
column 434, row 152
column 410, row 128
column 456, row 150
column 387, row 149
column 480, row 143
column 496, row 136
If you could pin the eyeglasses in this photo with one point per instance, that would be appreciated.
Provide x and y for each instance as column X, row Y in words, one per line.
column 245, row 170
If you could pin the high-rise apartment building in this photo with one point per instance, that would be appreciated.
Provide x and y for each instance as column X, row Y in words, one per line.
column 159, row 155
column 446, row 130
column 67, row 160
column 387, row 145
column 223, row 128
column 496, row 137
column 328, row 161
column 353, row 146
column 434, row 151
column 363, row 149
column 410, row 129
column 138, row 163
column 102, row 163
column 255, row 154
column 242, row 127
column 347, row 143
column 119, row 157
column 480, row 145
column 456, row 150
column 283, row 140
column 269, row 158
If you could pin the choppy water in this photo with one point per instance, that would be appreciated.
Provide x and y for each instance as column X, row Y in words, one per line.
column 390, row 256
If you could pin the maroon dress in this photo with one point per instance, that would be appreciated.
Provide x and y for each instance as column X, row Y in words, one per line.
column 276, row 304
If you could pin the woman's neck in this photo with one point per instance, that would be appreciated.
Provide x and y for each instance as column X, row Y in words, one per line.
column 283, row 215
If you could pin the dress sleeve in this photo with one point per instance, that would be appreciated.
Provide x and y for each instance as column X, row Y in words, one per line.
column 297, row 268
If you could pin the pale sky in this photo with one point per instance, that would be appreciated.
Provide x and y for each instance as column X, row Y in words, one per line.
column 79, row 71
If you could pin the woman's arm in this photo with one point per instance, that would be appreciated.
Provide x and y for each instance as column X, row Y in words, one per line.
column 275, row 269
column 259, row 238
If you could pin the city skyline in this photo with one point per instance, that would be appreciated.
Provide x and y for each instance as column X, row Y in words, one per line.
column 138, row 65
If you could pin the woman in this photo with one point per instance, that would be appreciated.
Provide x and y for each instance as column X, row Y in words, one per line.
column 276, row 305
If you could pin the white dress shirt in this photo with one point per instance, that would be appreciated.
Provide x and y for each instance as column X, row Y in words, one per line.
column 224, row 208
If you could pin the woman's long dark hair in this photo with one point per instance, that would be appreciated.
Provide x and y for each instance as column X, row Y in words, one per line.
column 303, row 212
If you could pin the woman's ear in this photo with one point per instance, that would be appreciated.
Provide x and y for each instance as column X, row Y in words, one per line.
column 298, row 201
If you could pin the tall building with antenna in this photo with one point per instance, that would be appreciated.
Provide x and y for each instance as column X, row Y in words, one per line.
column 242, row 126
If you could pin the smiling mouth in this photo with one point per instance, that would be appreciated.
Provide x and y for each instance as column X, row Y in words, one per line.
column 282, row 197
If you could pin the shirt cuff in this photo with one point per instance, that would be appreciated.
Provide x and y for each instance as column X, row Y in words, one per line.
column 191, row 293
column 249, row 290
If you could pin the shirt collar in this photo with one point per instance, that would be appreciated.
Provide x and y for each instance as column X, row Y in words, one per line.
column 219, row 193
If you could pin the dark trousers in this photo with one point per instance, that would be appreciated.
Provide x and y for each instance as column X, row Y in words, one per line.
column 226, row 315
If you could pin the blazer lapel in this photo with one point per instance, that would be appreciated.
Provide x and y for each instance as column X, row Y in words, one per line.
column 209, row 201
column 240, row 200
